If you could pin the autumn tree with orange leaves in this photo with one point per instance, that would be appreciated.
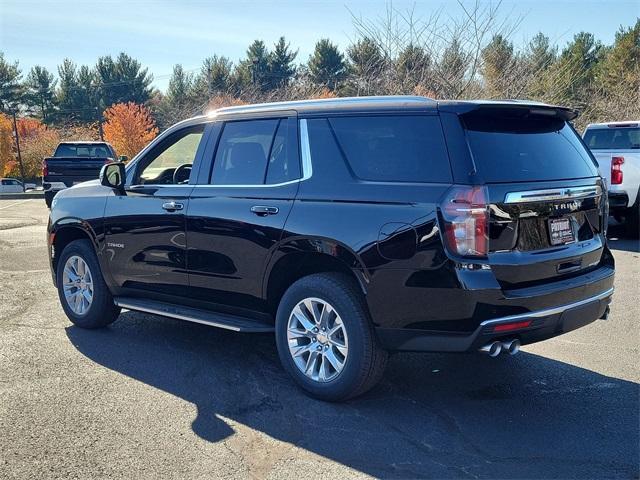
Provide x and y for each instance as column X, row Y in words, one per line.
column 128, row 128
column 7, row 158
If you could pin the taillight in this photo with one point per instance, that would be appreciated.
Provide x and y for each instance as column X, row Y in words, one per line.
column 616, row 170
column 466, row 220
column 45, row 168
column 507, row 327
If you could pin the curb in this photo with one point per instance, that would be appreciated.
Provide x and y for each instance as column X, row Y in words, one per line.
column 20, row 196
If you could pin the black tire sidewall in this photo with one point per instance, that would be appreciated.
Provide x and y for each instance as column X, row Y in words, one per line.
column 356, row 322
column 102, row 310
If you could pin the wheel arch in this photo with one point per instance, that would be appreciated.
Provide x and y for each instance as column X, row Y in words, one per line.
column 66, row 231
column 301, row 257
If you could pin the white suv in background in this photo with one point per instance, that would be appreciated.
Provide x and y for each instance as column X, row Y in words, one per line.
column 616, row 146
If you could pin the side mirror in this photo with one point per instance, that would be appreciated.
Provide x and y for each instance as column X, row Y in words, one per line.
column 113, row 175
column 123, row 158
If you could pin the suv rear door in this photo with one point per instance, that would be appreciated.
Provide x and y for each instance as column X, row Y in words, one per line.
column 238, row 209
column 547, row 208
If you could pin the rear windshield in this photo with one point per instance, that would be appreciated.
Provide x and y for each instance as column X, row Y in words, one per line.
column 78, row 150
column 401, row 148
column 612, row 138
column 516, row 149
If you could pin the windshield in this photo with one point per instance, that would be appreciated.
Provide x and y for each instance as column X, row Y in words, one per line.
column 518, row 149
column 612, row 138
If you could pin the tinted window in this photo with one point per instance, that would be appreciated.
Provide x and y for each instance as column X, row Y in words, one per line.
column 83, row 150
column 612, row 138
column 283, row 160
column 394, row 148
column 256, row 152
column 159, row 165
column 512, row 149
column 241, row 158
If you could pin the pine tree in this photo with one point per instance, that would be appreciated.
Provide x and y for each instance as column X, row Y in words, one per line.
column 540, row 54
column 280, row 64
column 179, row 90
column 214, row 78
column 253, row 71
column 326, row 65
column 10, row 88
column 41, row 86
column 451, row 69
column 620, row 67
column 498, row 66
column 413, row 67
column 576, row 68
column 68, row 85
column 122, row 80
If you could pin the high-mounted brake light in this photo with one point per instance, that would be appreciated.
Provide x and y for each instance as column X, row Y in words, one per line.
column 466, row 220
column 616, row 170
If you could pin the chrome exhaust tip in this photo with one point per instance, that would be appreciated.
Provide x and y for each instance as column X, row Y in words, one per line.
column 511, row 346
column 492, row 349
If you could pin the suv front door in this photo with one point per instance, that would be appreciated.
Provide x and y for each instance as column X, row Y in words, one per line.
column 238, row 210
column 145, row 226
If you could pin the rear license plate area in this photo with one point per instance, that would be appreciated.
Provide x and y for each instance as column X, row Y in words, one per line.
column 560, row 231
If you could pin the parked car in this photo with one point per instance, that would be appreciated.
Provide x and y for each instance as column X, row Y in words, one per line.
column 11, row 185
column 616, row 146
column 72, row 163
column 349, row 228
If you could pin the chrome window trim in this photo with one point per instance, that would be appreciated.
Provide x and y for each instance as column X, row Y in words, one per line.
column 262, row 185
column 553, row 194
column 548, row 311
column 305, row 150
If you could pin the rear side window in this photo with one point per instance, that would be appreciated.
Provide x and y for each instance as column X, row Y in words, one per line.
column 518, row 148
column 83, row 150
column 401, row 148
column 612, row 138
column 255, row 152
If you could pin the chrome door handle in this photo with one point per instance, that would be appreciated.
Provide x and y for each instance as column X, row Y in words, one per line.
column 263, row 210
column 172, row 206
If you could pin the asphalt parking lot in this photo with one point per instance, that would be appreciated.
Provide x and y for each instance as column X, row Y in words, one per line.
column 150, row 397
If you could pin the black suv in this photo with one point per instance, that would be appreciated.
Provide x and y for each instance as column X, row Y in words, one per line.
column 350, row 228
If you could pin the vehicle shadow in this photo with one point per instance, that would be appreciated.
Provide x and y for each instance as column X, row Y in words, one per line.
column 443, row 416
column 619, row 239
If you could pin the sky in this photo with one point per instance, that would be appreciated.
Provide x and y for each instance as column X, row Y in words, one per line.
column 162, row 33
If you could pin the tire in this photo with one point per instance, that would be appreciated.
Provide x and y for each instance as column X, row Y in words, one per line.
column 48, row 198
column 100, row 311
column 633, row 221
column 364, row 362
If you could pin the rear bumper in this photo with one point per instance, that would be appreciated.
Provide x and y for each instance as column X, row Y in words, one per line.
column 53, row 186
column 545, row 323
column 618, row 200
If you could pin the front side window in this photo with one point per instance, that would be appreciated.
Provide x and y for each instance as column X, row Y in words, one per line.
column 171, row 161
column 256, row 152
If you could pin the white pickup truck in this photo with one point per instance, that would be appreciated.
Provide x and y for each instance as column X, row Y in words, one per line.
column 616, row 146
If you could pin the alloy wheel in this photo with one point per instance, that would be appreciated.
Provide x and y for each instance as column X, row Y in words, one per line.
column 317, row 339
column 77, row 284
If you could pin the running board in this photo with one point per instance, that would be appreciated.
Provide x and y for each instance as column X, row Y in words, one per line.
column 214, row 319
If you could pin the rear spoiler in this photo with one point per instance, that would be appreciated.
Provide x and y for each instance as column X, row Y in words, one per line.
column 516, row 107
